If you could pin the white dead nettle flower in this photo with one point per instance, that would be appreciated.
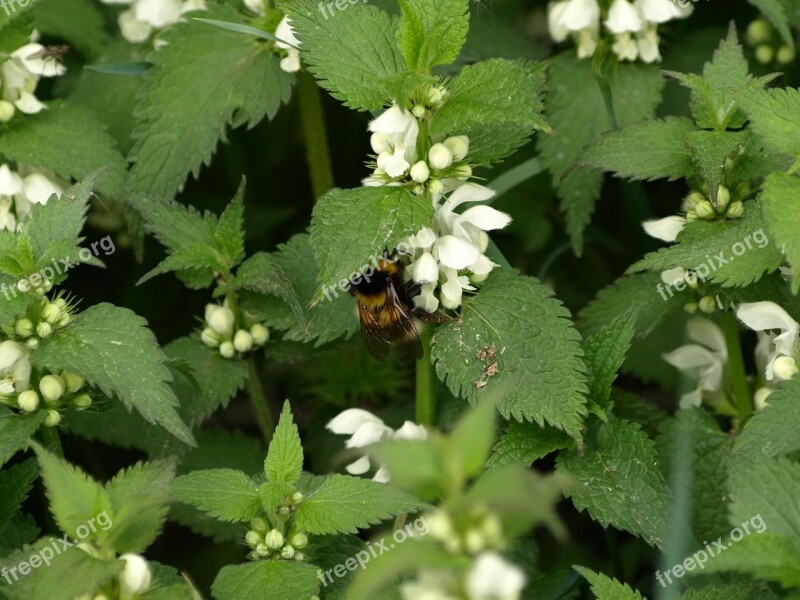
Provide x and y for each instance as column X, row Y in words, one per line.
column 366, row 429
column 394, row 141
column 146, row 17
column 221, row 332
column 289, row 43
column 493, row 578
column 705, row 361
column 666, row 229
column 579, row 19
column 19, row 76
column 623, row 21
column 135, row 577
column 768, row 317
column 452, row 252
column 20, row 191
column 15, row 367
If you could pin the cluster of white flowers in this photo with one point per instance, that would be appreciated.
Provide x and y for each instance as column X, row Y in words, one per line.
column 449, row 256
column 134, row 580
column 634, row 25
column 288, row 44
column 779, row 339
column 19, row 75
column 221, row 332
column 20, row 190
column 145, row 17
column 365, row 429
column 266, row 541
column 490, row 578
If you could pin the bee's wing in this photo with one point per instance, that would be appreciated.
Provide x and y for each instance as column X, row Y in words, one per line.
column 372, row 334
column 401, row 328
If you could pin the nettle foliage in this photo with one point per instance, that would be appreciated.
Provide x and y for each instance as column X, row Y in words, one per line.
column 662, row 409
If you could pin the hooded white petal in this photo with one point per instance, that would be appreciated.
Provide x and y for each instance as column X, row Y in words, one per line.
column 10, row 182
column 133, row 30
column 455, row 253
column 706, row 332
column 580, row 14
column 367, row 434
column 158, row 13
column 555, row 14
column 424, row 239
column 493, row 578
column 658, row 11
column 623, row 17
column 485, row 218
column 648, row 42
column 411, row 431
column 425, row 269
column 358, row 467
column 29, row 104
column 391, row 121
column 15, row 366
column 666, row 229
column 699, row 362
column 38, row 66
column 38, row 189
column 285, row 33
column 762, row 316
column 673, row 276
column 350, row 420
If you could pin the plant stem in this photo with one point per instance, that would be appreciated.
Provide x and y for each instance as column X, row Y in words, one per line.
column 426, row 383
column 741, row 391
column 51, row 440
column 259, row 401
column 317, row 153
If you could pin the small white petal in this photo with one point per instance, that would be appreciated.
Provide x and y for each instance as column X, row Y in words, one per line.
column 257, row 6
column 392, row 121
column 666, row 229
column 348, row 421
column 425, row 269
column 367, row 434
column 285, row 33
column 649, row 46
column 492, row 577
column 691, row 400
column 158, row 13
column 291, row 62
column 673, row 276
column 708, row 333
column 555, row 21
column 10, row 182
column 411, row 431
column 382, row 475
column 132, row 29
column 580, row 14
column 426, row 300
column 38, row 189
column 455, row 253
column 484, row 217
column 424, row 239
column 623, row 17
column 358, row 467
column 29, row 104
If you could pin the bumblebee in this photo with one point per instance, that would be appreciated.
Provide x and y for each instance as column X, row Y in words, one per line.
column 385, row 309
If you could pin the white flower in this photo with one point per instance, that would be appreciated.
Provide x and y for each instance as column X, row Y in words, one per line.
column 285, row 33
column 28, row 55
column 704, row 361
column 661, row 11
column 15, row 367
column 366, row 429
column 666, row 229
column 768, row 317
column 257, row 6
column 221, row 320
column 625, row 47
column 145, row 17
column 493, row 578
column 623, row 18
column 135, row 577
column 401, row 130
column 429, row 585
column 578, row 18
column 20, row 74
column 648, row 41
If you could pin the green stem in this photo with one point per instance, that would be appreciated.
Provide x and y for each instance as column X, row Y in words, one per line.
column 426, row 383
column 51, row 440
column 317, row 154
column 259, row 401
column 741, row 391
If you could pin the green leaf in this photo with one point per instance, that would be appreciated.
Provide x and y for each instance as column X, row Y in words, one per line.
column 432, row 33
column 266, row 580
column 730, row 256
column 172, row 139
column 16, row 483
column 470, row 441
column 767, row 489
column 229, row 234
column 240, row 28
column 350, row 228
column 417, row 466
column 577, row 113
column 70, row 574
column 742, row 590
column 604, row 354
column 711, row 151
column 621, row 484
column 223, row 493
column 773, row 431
column 16, row 430
column 75, row 498
column 47, row 141
column 524, row 443
column 349, row 53
column 346, row 504
column 80, row 23
column 765, row 556
column 514, row 330
column 780, row 202
column 776, row 12
column 139, row 499
column 175, row 225
column 606, row 588
column 262, row 273
column 199, row 259
column 644, row 151
column 285, row 457
column 490, row 96
column 112, row 349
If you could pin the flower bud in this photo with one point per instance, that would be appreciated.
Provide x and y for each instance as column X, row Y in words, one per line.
column 43, row 329
column 260, row 334
column 7, row 111
column 420, row 172
column 64, row 321
column 735, row 210
column 274, row 539
column 436, row 187
column 462, row 172
column 785, row 367
column 299, row 540
column 287, row 552
column 242, row 341
column 474, row 541
column 253, row 539
column 483, row 241
column 52, row 388
column 209, row 337
column 723, row 198
column 82, row 402
column 47, row 285
column 418, row 111
column 694, row 199
column 100, row 597
column 690, row 307
column 758, row 31
column 297, row 497
column 383, row 160
column 32, row 343
column 72, row 382
column 298, row 556
column 785, row 55
column 53, row 418
column 492, row 528
column 258, row 524
column 51, row 313
column 263, row 551
column 707, row 304
column 705, row 210
column 28, row 401
column 135, row 577
column 765, row 54
column 434, row 96
column 24, row 328
column 227, row 350
column 380, row 142
column 440, row 156
column 221, row 321
column 760, row 398
column 458, row 145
